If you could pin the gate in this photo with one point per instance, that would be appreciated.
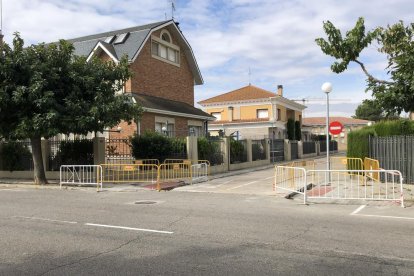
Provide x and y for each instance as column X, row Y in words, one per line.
column 294, row 149
column 277, row 150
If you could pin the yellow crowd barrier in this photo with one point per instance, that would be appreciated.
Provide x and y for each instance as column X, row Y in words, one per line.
column 372, row 164
column 174, row 172
column 147, row 161
column 127, row 173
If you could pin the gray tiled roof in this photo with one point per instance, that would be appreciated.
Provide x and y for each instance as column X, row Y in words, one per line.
column 84, row 45
column 152, row 102
column 137, row 35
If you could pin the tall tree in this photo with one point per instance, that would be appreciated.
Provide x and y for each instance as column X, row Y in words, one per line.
column 372, row 111
column 46, row 90
column 396, row 42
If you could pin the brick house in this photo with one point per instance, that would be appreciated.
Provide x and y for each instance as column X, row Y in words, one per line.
column 164, row 74
column 252, row 112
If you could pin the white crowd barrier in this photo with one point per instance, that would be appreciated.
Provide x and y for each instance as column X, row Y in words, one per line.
column 81, row 175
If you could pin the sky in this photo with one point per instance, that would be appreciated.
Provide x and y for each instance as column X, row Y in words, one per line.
column 273, row 39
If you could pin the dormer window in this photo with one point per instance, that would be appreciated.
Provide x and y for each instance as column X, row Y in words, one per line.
column 163, row 49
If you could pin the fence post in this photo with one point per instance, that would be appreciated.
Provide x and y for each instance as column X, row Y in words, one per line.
column 287, row 151
column 226, row 151
column 99, row 150
column 318, row 148
column 1, row 158
column 300, row 149
column 249, row 150
column 45, row 153
column 267, row 148
column 192, row 150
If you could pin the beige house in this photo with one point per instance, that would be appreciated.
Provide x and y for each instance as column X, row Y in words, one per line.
column 317, row 126
column 252, row 112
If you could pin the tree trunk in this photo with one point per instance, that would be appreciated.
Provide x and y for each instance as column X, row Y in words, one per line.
column 39, row 170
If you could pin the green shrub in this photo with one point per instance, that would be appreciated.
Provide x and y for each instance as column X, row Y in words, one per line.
column 15, row 156
column 209, row 150
column 290, row 125
column 298, row 131
column 395, row 127
column 258, row 152
column 237, row 151
column 73, row 152
column 358, row 142
column 151, row 145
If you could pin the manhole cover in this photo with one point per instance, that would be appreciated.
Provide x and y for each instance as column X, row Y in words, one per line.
column 145, row 202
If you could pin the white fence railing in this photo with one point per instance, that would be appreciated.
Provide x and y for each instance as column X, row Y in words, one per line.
column 341, row 184
column 199, row 171
column 81, row 175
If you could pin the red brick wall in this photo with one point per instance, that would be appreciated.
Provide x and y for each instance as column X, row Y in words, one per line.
column 157, row 78
column 126, row 130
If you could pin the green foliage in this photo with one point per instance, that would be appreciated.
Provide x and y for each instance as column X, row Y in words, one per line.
column 298, row 131
column 396, row 42
column 258, row 152
column 290, row 125
column 15, row 156
column 151, row 145
column 372, row 111
column 358, row 143
column 79, row 152
column 397, row 127
column 209, row 150
column 237, row 151
column 46, row 90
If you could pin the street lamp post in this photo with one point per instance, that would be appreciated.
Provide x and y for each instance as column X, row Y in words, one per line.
column 327, row 88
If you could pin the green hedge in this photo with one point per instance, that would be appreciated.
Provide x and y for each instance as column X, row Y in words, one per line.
column 210, row 149
column 358, row 140
column 79, row 152
column 151, row 145
column 15, row 156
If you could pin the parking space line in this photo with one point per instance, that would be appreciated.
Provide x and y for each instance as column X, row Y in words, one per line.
column 232, row 188
column 357, row 210
column 128, row 228
column 46, row 219
column 379, row 216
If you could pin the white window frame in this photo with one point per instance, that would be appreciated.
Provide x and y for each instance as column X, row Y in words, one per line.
column 262, row 113
column 170, row 48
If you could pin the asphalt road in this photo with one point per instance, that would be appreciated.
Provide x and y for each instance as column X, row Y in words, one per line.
column 82, row 232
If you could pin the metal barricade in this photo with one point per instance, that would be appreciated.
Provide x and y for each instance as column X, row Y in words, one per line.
column 81, row 175
column 147, row 161
column 200, row 171
column 174, row 172
column 130, row 173
column 346, row 163
column 372, row 164
column 291, row 179
column 173, row 161
column 356, row 184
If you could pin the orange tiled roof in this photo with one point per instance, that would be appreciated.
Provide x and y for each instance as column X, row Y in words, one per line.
column 254, row 120
column 343, row 120
column 249, row 92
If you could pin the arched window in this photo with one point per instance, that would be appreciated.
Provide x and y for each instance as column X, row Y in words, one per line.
column 165, row 35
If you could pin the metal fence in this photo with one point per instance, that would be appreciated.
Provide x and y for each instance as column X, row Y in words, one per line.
column 16, row 156
column 277, row 150
column 179, row 148
column 68, row 152
column 238, row 151
column 394, row 153
column 211, row 149
column 118, row 151
column 309, row 147
column 333, row 146
column 294, row 150
column 258, row 150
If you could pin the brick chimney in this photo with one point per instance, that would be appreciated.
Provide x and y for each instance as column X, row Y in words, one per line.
column 280, row 90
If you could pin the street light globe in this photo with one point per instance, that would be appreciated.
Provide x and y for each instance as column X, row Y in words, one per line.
column 164, row 128
column 327, row 87
column 119, row 129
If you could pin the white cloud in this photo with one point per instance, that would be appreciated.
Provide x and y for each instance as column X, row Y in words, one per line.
column 274, row 38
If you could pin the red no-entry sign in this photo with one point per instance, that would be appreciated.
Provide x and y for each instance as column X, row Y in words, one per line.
column 335, row 128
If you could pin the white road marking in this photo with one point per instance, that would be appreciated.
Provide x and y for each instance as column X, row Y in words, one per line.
column 129, row 228
column 232, row 188
column 267, row 178
column 46, row 219
column 219, row 185
column 358, row 209
column 379, row 216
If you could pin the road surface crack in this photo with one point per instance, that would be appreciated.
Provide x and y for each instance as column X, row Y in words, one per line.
column 91, row 257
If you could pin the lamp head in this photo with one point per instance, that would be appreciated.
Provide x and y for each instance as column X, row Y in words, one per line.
column 327, row 87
